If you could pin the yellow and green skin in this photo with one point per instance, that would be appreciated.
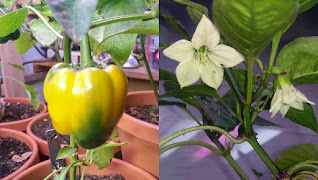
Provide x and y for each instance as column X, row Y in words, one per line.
column 85, row 103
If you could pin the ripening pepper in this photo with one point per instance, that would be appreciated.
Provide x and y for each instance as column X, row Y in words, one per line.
column 85, row 103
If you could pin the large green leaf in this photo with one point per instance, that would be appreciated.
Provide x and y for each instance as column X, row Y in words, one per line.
column 306, row 5
column 74, row 15
column 42, row 33
column 96, row 36
column 175, row 24
column 120, row 46
column 297, row 154
column 250, row 25
column 12, row 21
column 24, row 43
column 65, row 152
column 194, row 5
column 194, row 14
column 300, row 59
column 166, row 75
column 305, row 118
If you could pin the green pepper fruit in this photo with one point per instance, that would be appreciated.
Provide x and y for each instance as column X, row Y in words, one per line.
column 85, row 103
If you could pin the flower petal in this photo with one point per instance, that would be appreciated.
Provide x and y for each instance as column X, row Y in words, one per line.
column 188, row 72
column 211, row 74
column 297, row 105
column 206, row 34
column 284, row 109
column 181, row 50
column 300, row 96
column 225, row 56
column 277, row 99
column 274, row 109
column 288, row 94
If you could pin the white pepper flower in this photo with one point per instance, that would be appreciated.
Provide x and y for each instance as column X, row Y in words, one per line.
column 287, row 96
column 203, row 57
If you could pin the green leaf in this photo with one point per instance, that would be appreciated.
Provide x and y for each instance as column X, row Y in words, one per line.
column 194, row 14
column 297, row 154
column 257, row 174
column 120, row 46
column 193, row 90
column 300, row 59
column 241, row 77
column 74, row 15
column 263, row 122
column 305, row 118
column 42, row 33
column 194, row 5
column 305, row 5
column 175, row 24
column 171, row 86
column 17, row 66
column 63, row 174
column 114, row 134
column 24, row 43
column 172, row 103
column 145, row 27
column 12, row 21
column 96, row 36
column 103, row 154
column 250, row 25
column 166, row 75
column 65, row 152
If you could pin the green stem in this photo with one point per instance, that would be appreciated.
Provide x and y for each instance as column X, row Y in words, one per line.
column 152, row 82
column 249, row 93
column 54, row 172
column 235, row 85
column 263, row 155
column 86, row 58
column 272, row 57
column 67, row 49
column 196, row 128
column 235, row 166
column 188, row 143
column 44, row 21
column 57, row 50
column 111, row 20
column 73, row 159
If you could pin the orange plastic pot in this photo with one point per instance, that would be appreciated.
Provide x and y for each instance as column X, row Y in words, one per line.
column 142, row 149
column 43, row 145
column 33, row 159
column 21, row 125
column 117, row 166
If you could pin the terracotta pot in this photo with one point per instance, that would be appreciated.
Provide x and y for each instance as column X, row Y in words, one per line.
column 117, row 166
column 142, row 149
column 43, row 146
column 21, row 125
column 33, row 159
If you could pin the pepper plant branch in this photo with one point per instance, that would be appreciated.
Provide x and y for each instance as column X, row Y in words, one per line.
column 86, row 58
column 188, row 143
column 268, row 73
column 235, row 166
column 54, row 172
column 73, row 159
column 44, row 21
column 57, row 50
column 116, row 19
column 236, row 87
column 263, row 106
column 214, row 128
column 67, row 49
column 152, row 82
column 263, row 155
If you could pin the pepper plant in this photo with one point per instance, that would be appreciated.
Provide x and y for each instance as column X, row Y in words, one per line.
column 85, row 100
column 240, row 31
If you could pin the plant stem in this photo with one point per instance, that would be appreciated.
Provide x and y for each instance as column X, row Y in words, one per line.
column 73, row 159
column 263, row 155
column 235, row 85
column 235, row 166
column 86, row 58
column 249, row 93
column 152, row 82
column 67, row 49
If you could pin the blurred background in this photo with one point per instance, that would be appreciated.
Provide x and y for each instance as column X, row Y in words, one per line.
column 192, row 162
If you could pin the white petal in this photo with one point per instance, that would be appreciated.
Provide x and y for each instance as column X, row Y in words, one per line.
column 181, row 50
column 289, row 95
column 188, row 72
column 297, row 105
column 277, row 99
column 225, row 56
column 211, row 74
column 274, row 109
column 284, row 109
column 300, row 96
column 206, row 34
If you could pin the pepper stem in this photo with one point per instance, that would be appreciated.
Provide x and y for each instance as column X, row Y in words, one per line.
column 86, row 58
column 73, row 159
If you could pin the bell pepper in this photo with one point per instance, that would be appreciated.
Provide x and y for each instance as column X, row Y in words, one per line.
column 85, row 103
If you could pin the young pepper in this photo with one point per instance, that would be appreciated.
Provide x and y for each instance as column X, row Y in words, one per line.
column 85, row 103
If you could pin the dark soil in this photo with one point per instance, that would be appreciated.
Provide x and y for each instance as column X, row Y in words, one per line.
column 16, row 111
column 109, row 177
column 148, row 113
column 8, row 148
column 39, row 127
